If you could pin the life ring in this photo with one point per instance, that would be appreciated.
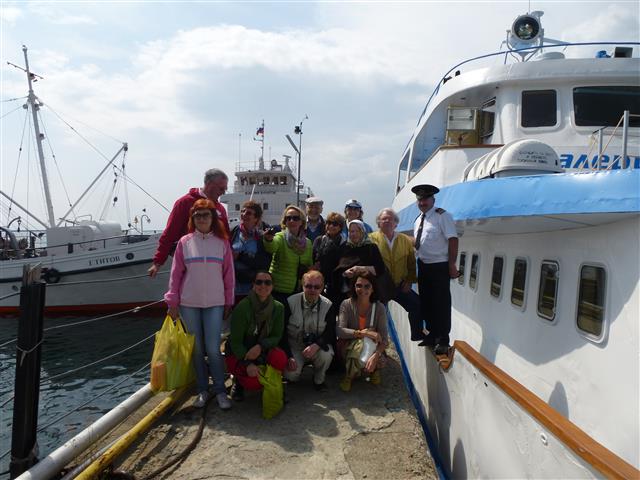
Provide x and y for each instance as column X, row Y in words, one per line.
column 51, row 275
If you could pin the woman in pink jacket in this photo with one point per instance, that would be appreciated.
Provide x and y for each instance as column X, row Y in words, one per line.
column 201, row 289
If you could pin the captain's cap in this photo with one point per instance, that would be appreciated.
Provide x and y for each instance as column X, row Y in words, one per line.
column 314, row 200
column 353, row 203
column 424, row 191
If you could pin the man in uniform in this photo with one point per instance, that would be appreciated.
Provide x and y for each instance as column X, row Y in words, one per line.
column 437, row 250
column 215, row 184
column 315, row 222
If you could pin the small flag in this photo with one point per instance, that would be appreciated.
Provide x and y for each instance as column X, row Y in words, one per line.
column 260, row 131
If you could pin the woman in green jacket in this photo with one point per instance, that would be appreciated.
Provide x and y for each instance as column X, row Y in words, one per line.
column 291, row 253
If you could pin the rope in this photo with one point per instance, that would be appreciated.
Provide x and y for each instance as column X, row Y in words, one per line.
column 84, row 404
column 15, row 175
column 9, row 296
column 24, row 352
column 134, row 310
column 82, row 322
column 104, row 280
column 10, row 112
column 185, row 453
column 11, row 100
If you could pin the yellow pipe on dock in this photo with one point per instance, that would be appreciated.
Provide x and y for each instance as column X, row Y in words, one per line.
column 128, row 438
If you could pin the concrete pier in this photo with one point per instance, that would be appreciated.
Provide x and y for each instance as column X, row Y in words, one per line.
column 370, row 432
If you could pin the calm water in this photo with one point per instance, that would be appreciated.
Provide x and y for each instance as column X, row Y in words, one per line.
column 69, row 348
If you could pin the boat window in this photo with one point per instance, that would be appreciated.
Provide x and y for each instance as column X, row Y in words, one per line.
column 603, row 106
column 548, row 290
column 518, row 287
column 496, row 276
column 265, row 180
column 487, row 120
column 461, row 263
column 237, row 207
column 539, row 108
column 402, row 171
column 591, row 299
column 473, row 272
column 283, row 180
column 265, row 206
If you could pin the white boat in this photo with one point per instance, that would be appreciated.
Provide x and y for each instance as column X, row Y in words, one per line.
column 274, row 187
column 89, row 265
column 538, row 161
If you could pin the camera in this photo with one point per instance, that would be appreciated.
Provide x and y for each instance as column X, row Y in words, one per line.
column 309, row 338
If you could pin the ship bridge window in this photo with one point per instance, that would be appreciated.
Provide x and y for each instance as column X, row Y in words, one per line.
column 496, row 276
column 591, row 300
column 539, row 108
column 548, row 290
column 604, row 106
column 487, row 120
column 402, row 171
column 283, row 180
column 519, row 285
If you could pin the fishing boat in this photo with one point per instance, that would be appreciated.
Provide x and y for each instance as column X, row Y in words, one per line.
column 537, row 156
column 274, row 186
column 89, row 265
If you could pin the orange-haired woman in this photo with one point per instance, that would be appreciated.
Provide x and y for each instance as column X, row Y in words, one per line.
column 201, row 290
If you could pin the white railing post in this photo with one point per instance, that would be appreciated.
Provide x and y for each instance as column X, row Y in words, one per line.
column 625, row 130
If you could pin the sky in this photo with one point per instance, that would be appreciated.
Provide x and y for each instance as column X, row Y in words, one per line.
column 187, row 84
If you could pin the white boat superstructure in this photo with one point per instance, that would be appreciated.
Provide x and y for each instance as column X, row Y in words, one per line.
column 538, row 161
column 89, row 265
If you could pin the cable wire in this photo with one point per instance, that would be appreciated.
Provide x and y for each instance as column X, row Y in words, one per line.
column 10, row 112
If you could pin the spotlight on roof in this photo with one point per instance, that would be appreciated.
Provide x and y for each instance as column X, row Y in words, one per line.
column 526, row 31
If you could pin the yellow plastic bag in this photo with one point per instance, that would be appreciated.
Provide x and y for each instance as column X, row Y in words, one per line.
column 272, row 401
column 171, row 365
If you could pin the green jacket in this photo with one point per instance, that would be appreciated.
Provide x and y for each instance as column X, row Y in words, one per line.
column 243, row 326
column 285, row 263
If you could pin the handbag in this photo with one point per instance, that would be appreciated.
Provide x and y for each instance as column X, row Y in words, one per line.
column 171, row 365
column 272, row 391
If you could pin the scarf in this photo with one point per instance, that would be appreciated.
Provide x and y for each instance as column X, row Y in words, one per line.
column 262, row 314
column 365, row 238
column 247, row 234
column 296, row 243
column 328, row 244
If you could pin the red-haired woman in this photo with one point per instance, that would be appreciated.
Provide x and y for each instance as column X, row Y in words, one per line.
column 201, row 290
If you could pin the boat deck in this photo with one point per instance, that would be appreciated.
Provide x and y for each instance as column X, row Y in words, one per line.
column 370, row 432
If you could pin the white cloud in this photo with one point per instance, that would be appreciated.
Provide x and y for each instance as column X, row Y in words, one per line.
column 58, row 15
column 9, row 14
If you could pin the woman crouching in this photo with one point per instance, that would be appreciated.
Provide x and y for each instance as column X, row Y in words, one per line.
column 201, row 289
column 257, row 324
column 362, row 317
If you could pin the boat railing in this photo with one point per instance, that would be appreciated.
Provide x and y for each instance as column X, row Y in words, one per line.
column 32, row 252
column 624, row 121
column 506, row 54
column 593, row 452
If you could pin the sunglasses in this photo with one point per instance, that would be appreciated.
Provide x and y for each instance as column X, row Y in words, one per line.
column 312, row 287
column 292, row 218
column 331, row 222
column 366, row 286
column 259, row 282
column 202, row 215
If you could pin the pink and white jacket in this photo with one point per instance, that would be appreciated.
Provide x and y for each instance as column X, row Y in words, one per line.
column 202, row 272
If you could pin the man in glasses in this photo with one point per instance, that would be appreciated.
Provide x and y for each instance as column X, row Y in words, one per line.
column 315, row 222
column 310, row 331
column 437, row 250
column 215, row 184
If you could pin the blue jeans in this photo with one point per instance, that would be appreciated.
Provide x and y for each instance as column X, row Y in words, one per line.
column 206, row 325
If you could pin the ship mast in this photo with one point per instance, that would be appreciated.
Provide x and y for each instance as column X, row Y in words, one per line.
column 35, row 106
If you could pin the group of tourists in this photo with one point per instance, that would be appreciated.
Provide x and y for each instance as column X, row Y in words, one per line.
column 312, row 290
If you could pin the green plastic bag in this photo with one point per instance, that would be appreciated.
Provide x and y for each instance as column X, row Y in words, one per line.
column 272, row 394
column 171, row 365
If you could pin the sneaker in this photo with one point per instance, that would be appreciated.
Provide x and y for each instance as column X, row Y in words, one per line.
column 223, row 401
column 237, row 392
column 320, row 387
column 375, row 379
column 345, row 384
column 202, row 400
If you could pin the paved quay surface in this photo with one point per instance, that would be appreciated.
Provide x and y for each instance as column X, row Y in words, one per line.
column 371, row 432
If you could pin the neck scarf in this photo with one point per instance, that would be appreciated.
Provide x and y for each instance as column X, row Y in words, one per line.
column 247, row 234
column 262, row 313
column 296, row 243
